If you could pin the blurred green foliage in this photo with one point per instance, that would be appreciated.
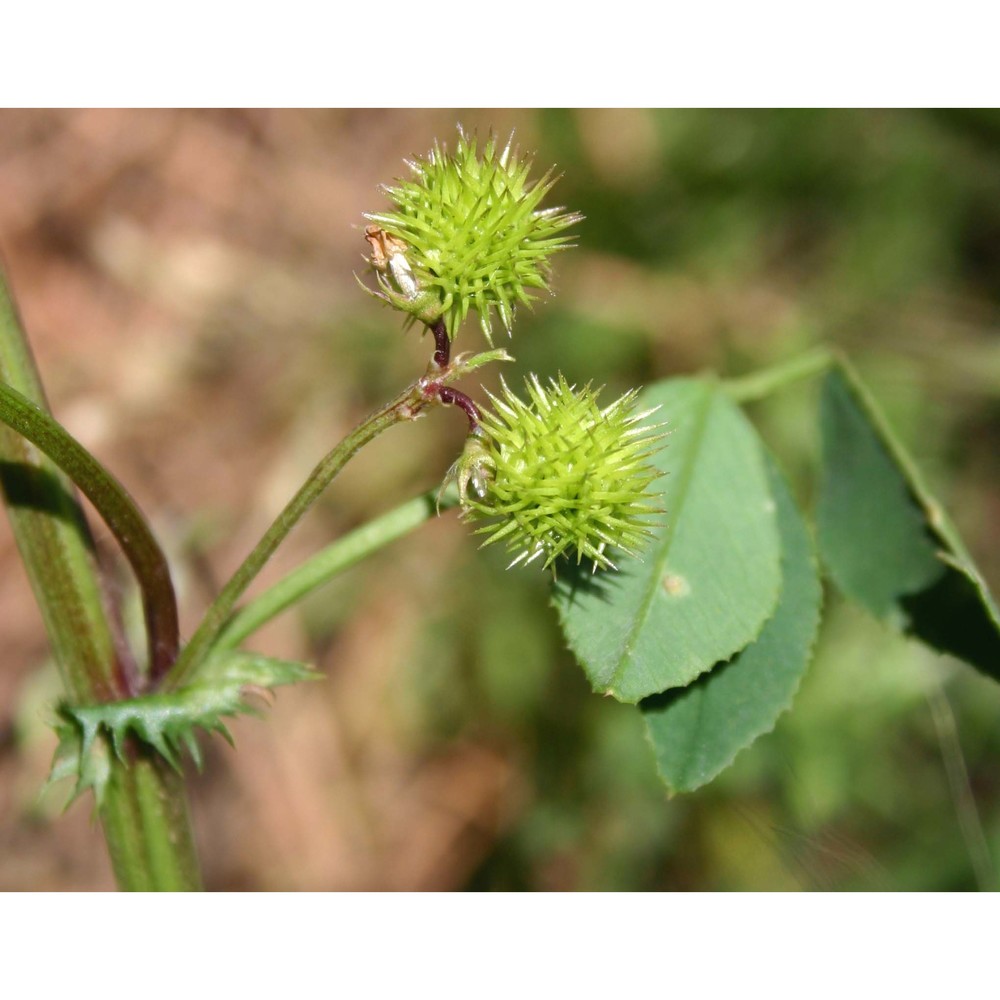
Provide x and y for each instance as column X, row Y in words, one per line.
column 729, row 240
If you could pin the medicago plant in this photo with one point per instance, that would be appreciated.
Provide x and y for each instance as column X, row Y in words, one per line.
column 685, row 577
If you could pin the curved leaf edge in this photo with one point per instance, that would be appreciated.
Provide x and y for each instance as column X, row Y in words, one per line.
column 952, row 553
column 938, row 520
column 588, row 663
column 791, row 512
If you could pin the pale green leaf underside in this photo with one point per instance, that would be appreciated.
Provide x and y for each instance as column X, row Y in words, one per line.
column 887, row 542
column 698, row 731
column 709, row 579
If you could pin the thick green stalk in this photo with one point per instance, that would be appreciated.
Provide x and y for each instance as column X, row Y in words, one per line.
column 144, row 812
column 119, row 512
column 404, row 407
column 334, row 559
column 53, row 538
column 147, row 827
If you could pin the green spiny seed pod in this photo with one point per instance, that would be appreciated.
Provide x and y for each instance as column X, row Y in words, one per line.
column 561, row 475
column 467, row 233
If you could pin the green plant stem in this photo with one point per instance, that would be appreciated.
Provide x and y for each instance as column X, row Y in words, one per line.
column 751, row 388
column 144, row 807
column 120, row 513
column 334, row 559
column 144, row 815
column 404, row 407
column 53, row 538
column 219, row 618
column 961, row 789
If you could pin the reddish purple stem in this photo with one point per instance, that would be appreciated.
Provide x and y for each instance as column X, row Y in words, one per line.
column 442, row 344
column 447, row 395
column 452, row 397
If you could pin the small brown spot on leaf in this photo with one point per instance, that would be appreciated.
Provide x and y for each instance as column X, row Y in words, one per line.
column 675, row 585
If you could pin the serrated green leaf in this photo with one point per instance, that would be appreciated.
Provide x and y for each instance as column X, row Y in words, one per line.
column 709, row 579
column 90, row 771
column 886, row 541
column 166, row 722
column 696, row 732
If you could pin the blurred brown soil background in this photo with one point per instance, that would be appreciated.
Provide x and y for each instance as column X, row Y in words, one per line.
column 187, row 282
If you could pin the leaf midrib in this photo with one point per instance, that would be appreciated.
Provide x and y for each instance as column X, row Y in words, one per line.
column 662, row 550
